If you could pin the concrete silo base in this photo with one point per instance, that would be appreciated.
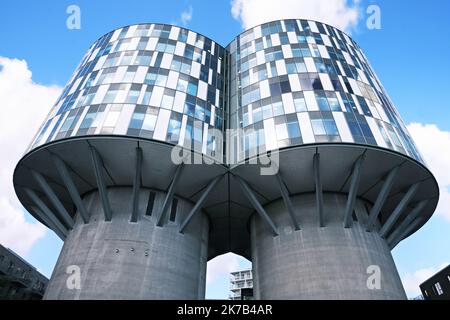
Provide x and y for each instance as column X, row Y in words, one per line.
column 119, row 259
column 332, row 262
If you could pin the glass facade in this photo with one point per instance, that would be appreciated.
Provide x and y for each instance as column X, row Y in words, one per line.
column 152, row 81
column 283, row 83
column 294, row 82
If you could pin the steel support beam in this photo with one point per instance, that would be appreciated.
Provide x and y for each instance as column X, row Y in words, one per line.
column 55, row 224
column 101, row 184
column 256, row 205
column 399, row 209
column 136, row 185
column 381, row 199
column 199, row 203
column 415, row 212
column 50, row 194
column 353, row 192
column 287, row 201
column 407, row 231
column 71, row 188
column 319, row 192
column 169, row 195
column 48, row 222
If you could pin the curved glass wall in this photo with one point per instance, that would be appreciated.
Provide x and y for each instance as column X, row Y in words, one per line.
column 287, row 83
column 153, row 81
column 295, row 82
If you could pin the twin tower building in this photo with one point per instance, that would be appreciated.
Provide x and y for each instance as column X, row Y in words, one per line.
column 166, row 150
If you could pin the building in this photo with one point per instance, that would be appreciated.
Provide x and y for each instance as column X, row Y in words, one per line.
column 18, row 279
column 438, row 286
column 241, row 285
column 166, row 150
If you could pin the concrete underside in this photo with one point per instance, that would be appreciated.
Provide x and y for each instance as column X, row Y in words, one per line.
column 124, row 260
column 320, row 263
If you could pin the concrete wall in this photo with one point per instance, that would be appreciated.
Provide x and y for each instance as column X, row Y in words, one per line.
column 123, row 260
column 320, row 263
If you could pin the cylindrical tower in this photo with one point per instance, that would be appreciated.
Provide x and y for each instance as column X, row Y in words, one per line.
column 101, row 172
column 348, row 182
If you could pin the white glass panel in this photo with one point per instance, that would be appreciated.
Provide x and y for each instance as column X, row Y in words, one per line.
column 264, row 88
column 156, row 96
column 161, row 125
column 305, row 128
column 270, row 134
column 342, row 126
column 311, row 101
column 288, row 103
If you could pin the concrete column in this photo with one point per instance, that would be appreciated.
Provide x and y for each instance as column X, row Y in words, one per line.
column 120, row 259
column 332, row 262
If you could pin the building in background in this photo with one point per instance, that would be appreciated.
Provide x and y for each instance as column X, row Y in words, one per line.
column 241, row 285
column 18, row 279
column 438, row 286
column 302, row 165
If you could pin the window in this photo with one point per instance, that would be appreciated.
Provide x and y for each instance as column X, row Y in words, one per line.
column 150, row 119
column 147, row 96
column 176, row 64
column 167, row 99
column 267, row 109
column 320, row 66
column 137, row 119
column 129, row 75
column 324, row 127
column 274, row 85
column 322, row 101
column 89, row 118
column 151, row 76
column 438, row 287
column 251, row 94
column 111, row 93
column 182, row 83
column 127, row 58
column 192, row 87
column 185, row 66
column 173, row 131
column 182, row 36
column 310, row 82
column 142, row 43
column 112, row 60
column 200, row 110
column 143, row 58
column 333, row 101
column 293, row 127
column 257, row 115
column 277, row 106
column 161, row 79
column 133, row 94
column 189, row 106
column 299, row 102
column 285, row 85
column 364, row 106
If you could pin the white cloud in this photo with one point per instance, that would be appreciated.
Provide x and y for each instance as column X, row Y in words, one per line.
column 23, row 107
column 342, row 14
column 221, row 266
column 186, row 16
column 434, row 145
column 411, row 281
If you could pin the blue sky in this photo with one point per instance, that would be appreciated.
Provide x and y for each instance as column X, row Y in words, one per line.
column 409, row 53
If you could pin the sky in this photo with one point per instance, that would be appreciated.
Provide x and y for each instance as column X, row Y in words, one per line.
column 409, row 53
